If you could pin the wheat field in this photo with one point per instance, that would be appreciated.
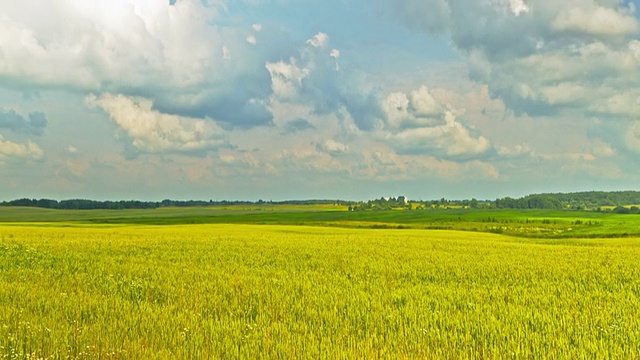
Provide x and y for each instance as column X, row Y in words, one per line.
column 275, row 291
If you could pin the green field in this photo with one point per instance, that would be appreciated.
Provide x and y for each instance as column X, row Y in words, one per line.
column 552, row 224
column 106, row 284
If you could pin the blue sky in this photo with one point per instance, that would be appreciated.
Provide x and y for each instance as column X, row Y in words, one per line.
column 290, row 99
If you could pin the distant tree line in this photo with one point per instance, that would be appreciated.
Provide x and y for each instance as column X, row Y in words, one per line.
column 84, row 204
column 591, row 200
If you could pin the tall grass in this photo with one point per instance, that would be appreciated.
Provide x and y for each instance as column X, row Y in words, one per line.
column 242, row 291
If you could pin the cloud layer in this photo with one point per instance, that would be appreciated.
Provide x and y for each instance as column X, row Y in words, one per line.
column 298, row 96
column 547, row 56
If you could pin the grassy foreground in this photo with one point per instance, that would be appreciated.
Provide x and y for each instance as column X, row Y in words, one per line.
column 275, row 291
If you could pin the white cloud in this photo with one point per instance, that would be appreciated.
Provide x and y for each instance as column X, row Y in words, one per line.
column 416, row 123
column 176, row 54
column 245, row 164
column 396, row 108
column 563, row 93
column 418, row 108
column 518, row 7
column 155, row 132
column 332, row 147
column 313, row 78
column 286, row 78
column 595, row 20
column 517, row 151
column 450, row 140
column 603, row 151
column 72, row 149
column 126, row 42
column 625, row 104
column 335, row 53
column 12, row 150
column 423, row 103
column 320, row 40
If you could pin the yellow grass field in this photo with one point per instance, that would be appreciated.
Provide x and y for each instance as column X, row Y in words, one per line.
column 272, row 291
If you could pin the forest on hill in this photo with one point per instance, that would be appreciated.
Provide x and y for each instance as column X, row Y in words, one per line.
column 589, row 200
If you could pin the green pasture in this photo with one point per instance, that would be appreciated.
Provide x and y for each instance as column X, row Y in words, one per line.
column 522, row 223
column 219, row 291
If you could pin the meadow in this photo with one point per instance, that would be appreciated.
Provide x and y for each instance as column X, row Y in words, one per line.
column 123, row 289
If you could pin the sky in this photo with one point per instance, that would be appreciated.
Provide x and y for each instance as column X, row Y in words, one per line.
column 334, row 99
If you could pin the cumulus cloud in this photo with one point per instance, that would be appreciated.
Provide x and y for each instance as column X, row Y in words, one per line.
column 595, row 20
column 125, row 42
column 151, row 131
column 175, row 54
column 449, row 140
column 418, row 108
column 543, row 57
column 416, row 123
column 412, row 122
column 11, row 150
column 33, row 124
column 332, row 147
column 313, row 78
column 423, row 104
column 625, row 104
column 286, row 79
column 320, row 40
column 518, row 151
